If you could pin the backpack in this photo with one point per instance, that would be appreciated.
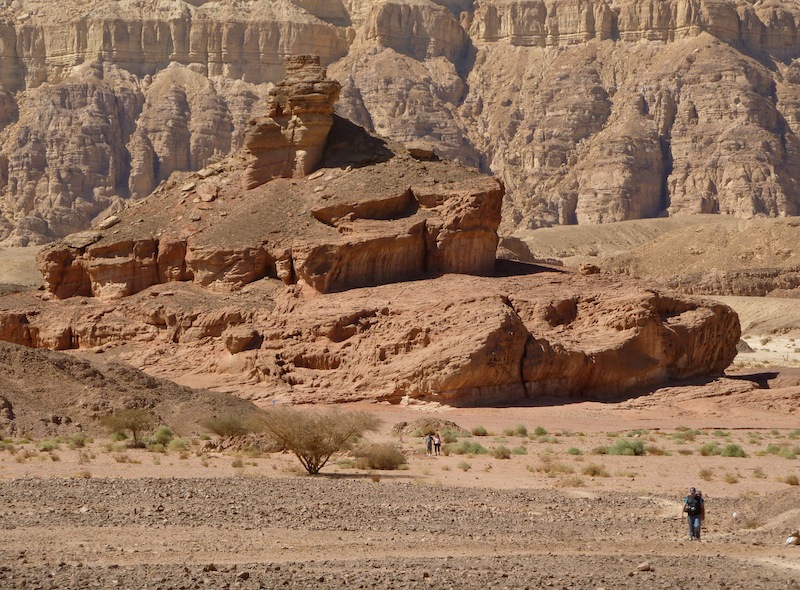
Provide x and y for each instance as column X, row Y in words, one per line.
column 693, row 505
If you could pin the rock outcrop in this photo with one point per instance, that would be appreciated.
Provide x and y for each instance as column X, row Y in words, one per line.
column 289, row 141
column 395, row 219
column 455, row 339
column 589, row 111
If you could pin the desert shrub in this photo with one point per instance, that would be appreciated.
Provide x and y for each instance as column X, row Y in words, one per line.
column 157, row 448
column 601, row 450
column 706, row 474
column 78, row 440
column 574, row 451
column 791, row 479
column 733, row 450
column 162, row 436
column 571, row 481
column 731, row 478
column 178, row 444
column 233, row 425
column 721, row 433
column 521, row 430
column 129, row 419
column 550, row 467
column 540, row 431
column 595, row 470
column 237, row 463
column 449, row 436
column 625, row 446
column 519, row 451
column 464, row 447
column 464, row 466
column 685, row 435
column 315, row 435
column 758, row 473
column 685, row 452
column 49, row 445
column 508, row 432
column 479, row 431
column 709, row 449
column 656, row 450
column 501, row 452
column 783, row 450
column 385, row 456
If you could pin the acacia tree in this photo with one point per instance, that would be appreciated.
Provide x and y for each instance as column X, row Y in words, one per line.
column 131, row 419
column 315, row 435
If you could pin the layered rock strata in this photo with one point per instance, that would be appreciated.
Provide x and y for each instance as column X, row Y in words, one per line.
column 458, row 340
column 589, row 111
column 289, row 141
column 338, row 228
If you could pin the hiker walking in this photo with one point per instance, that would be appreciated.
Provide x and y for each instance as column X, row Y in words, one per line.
column 695, row 512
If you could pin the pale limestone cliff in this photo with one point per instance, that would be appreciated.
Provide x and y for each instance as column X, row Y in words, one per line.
column 587, row 110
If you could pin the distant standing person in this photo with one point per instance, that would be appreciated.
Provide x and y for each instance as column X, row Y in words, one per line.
column 437, row 443
column 695, row 511
column 428, row 444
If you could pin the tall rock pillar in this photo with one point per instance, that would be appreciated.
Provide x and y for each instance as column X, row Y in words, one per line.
column 289, row 141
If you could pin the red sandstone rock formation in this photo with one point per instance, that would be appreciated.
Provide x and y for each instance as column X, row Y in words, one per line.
column 456, row 339
column 289, row 141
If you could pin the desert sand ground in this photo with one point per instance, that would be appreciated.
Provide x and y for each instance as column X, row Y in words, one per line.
column 559, row 513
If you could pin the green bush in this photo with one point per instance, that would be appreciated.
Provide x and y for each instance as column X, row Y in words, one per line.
column 464, row 447
column 464, row 466
column 710, row 449
column 49, row 445
column 135, row 420
column 479, row 431
column 625, row 446
column 519, row 451
column 733, row 450
column 574, row 451
column 78, row 440
column 540, row 431
column 314, row 435
column 232, row 425
column 162, row 436
column 449, row 436
column 501, row 452
column 384, row 456
column 178, row 444
column 521, row 430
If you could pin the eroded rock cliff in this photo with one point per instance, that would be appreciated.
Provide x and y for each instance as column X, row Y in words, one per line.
column 589, row 111
column 455, row 339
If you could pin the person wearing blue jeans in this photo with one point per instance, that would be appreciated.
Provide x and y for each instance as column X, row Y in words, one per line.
column 695, row 511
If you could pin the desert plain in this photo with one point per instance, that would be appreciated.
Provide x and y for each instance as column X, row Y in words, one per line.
column 562, row 511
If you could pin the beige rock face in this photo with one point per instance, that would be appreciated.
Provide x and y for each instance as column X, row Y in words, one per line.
column 589, row 111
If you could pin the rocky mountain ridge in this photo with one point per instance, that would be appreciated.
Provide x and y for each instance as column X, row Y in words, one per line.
column 373, row 277
column 589, row 111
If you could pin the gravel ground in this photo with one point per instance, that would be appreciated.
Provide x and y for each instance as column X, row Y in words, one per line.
column 345, row 532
